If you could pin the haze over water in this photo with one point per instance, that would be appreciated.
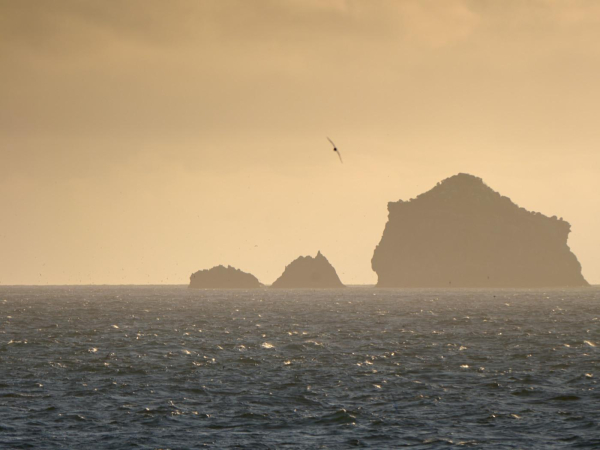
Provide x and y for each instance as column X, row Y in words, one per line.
column 170, row 367
column 142, row 140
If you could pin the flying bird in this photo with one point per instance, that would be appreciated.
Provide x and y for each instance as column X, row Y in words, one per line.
column 336, row 150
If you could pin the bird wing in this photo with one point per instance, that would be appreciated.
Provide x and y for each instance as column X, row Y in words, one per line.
column 331, row 142
column 338, row 152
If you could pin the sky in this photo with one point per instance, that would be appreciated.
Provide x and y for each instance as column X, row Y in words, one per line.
column 143, row 140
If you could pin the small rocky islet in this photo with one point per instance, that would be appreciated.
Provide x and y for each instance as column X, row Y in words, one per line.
column 309, row 272
column 221, row 277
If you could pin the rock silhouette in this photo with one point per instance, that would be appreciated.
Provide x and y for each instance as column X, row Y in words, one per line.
column 309, row 272
column 221, row 277
column 462, row 233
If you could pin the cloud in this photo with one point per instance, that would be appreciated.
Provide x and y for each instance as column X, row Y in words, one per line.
column 76, row 26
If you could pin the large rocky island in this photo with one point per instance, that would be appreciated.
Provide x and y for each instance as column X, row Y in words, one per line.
column 221, row 277
column 309, row 272
column 462, row 233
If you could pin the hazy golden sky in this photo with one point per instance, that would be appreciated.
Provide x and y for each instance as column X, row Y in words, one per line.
column 142, row 140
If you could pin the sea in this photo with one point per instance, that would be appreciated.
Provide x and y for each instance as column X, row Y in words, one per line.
column 167, row 367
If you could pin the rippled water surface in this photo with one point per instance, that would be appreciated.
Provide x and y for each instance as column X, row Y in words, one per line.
column 169, row 367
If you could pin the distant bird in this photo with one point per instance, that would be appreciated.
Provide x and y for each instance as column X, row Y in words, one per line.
column 336, row 150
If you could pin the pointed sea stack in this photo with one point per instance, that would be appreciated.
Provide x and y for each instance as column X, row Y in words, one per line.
column 462, row 233
column 221, row 277
column 309, row 272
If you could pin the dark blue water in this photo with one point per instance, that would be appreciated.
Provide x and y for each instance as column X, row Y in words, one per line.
column 168, row 367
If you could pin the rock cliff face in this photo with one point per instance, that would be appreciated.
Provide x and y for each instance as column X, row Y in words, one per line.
column 221, row 277
column 461, row 233
column 309, row 272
